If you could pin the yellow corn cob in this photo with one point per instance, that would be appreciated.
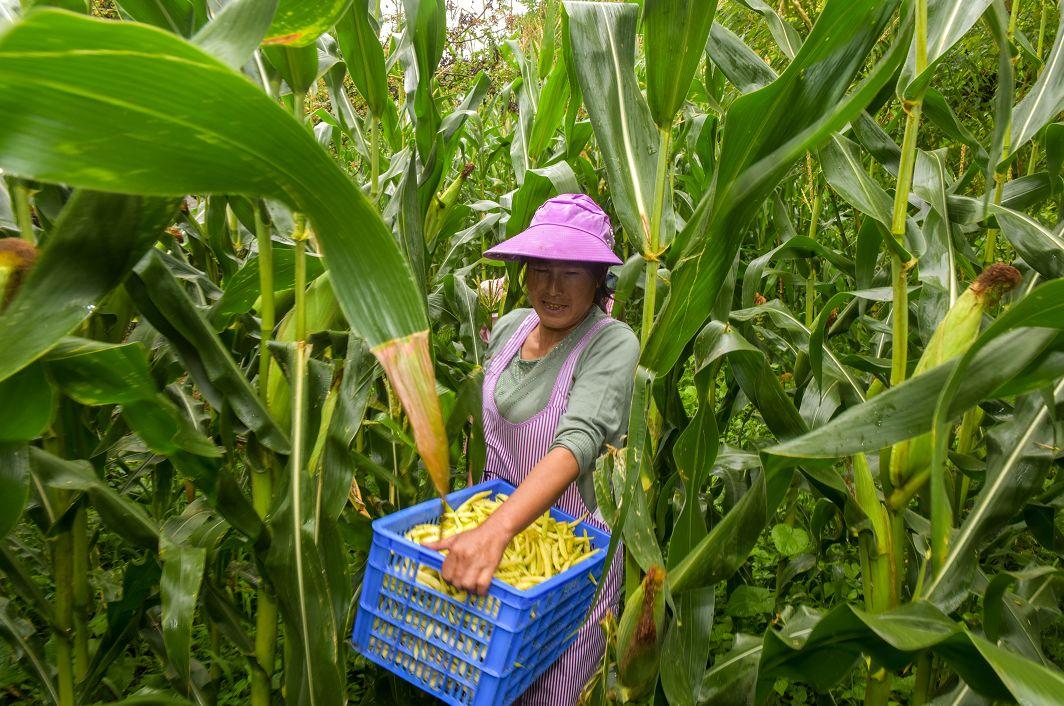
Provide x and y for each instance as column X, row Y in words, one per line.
column 953, row 337
column 639, row 634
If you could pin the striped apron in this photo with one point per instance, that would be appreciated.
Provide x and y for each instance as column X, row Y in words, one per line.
column 512, row 451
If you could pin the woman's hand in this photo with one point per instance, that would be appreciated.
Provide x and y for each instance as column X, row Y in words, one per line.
column 472, row 557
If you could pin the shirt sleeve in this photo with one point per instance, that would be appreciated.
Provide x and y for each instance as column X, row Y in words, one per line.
column 600, row 397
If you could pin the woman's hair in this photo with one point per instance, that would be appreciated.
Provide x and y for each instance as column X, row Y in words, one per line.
column 599, row 272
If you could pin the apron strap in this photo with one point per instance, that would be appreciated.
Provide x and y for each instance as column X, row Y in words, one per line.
column 504, row 356
column 564, row 383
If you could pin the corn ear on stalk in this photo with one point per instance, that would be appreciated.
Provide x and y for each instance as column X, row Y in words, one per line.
column 442, row 204
column 953, row 337
column 639, row 636
column 17, row 257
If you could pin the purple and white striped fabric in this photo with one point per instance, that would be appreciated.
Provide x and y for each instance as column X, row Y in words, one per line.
column 512, row 451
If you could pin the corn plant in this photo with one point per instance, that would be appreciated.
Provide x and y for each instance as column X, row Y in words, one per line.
column 242, row 309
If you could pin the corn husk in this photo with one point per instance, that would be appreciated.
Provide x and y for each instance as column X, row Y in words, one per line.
column 953, row 337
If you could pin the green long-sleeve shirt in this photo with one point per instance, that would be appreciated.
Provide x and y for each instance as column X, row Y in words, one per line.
column 600, row 397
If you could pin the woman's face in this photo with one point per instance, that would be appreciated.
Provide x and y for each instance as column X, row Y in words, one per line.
column 560, row 292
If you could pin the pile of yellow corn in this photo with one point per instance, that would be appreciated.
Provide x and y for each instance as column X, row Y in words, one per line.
column 543, row 550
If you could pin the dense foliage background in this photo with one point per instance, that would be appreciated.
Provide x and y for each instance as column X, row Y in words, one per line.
column 244, row 311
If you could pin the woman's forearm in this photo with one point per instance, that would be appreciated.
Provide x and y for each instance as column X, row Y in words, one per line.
column 540, row 489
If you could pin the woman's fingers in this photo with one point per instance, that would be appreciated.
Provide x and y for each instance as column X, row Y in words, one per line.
column 471, row 561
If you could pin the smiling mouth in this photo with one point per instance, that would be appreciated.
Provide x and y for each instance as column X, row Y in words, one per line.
column 555, row 308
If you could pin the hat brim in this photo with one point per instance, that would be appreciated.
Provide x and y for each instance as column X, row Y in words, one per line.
column 553, row 242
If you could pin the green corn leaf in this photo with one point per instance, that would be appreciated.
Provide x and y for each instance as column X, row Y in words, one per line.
column 1042, row 308
column 1040, row 247
column 846, row 174
column 295, row 568
column 20, row 636
column 425, row 37
column 947, row 22
column 242, row 289
column 96, row 241
column 685, row 649
column 893, row 638
column 357, row 36
column 785, row 36
column 732, row 678
column 126, row 518
column 1044, row 102
column 298, row 23
column 603, row 42
column 761, row 141
column 14, row 485
column 906, row 410
column 745, row 69
column 674, row 40
column 938, row 263
column 27, row 403
column 234, row 34
column 179, row 588
column 175, row 16
column 550, row 111
column 162, row 301
column 209, row 131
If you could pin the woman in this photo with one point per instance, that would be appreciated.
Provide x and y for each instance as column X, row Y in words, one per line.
column 557, row 389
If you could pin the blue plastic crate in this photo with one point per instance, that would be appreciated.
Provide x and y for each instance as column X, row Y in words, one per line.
column 484, row 650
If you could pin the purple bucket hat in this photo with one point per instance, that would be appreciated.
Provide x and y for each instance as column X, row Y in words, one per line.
column 567, row 227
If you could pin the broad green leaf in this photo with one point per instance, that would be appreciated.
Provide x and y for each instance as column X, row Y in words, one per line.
column 175, row 16
column 947, row 22
column 426, row 33
column 785, row 36
column 745, row 69
column 356, row 34
column 846, row 174
column 1040, row 247
column 893, row 639
column 19, row 635
column 674, row 39
column 242, row 289
column 1045, row 101
column 161, row 300
column 790, row 541
column 179, row 587
column 209, row 131
column 26, row 405
column 125, row 517
column 733, row 676
column 298, row 23
column 762, row 139
column 295, row 568
column 906, row 410
column 540, row 184
column 14, row 485
column 685, row 650
column 235, row 32
column 96, row 241
column 748, row 601
column 938, row 263
column 603, row 40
